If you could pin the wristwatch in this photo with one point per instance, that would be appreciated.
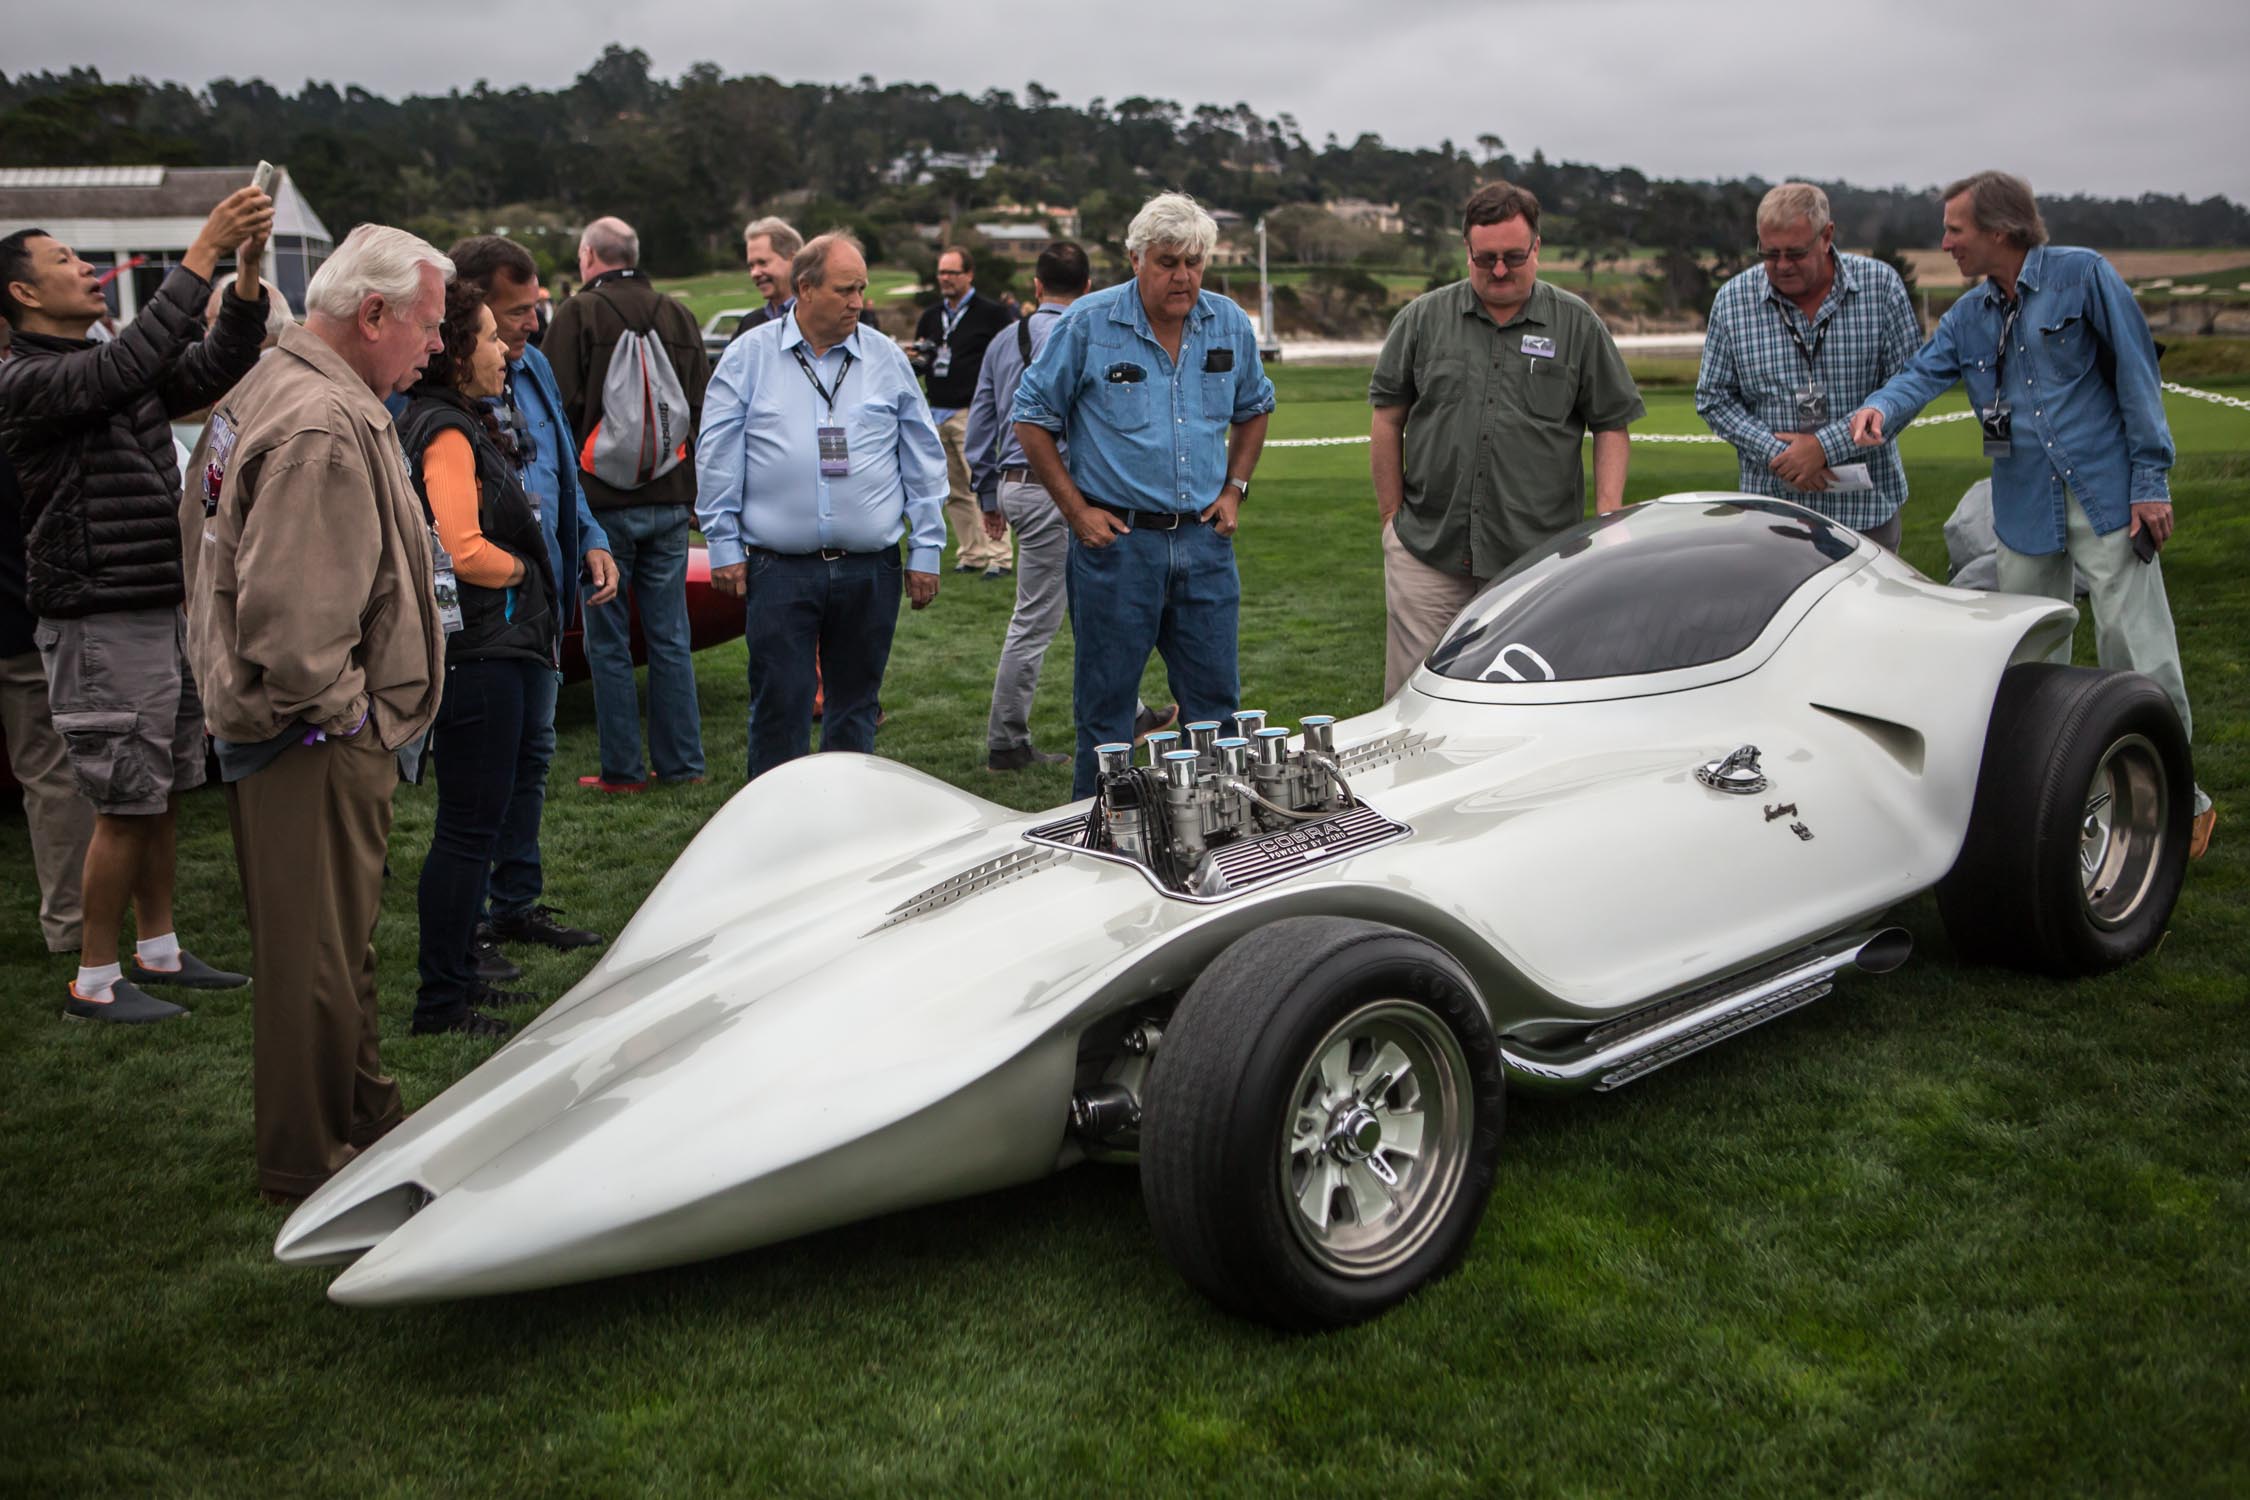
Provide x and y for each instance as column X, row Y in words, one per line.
column 1243, row 485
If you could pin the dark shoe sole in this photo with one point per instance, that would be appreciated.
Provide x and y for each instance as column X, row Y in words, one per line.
column 215, row 979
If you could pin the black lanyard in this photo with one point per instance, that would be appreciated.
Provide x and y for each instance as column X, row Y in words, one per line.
column 2000, row 355
column 826, row 395
column 1820, row 336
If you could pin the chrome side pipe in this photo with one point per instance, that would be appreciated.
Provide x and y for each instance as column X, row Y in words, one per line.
column 1642, row 1052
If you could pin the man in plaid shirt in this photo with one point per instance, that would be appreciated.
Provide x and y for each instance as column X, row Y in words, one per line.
column 1795, row 345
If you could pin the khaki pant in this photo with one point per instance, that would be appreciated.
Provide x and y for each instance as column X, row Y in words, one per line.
column 976, row 549
column 2132, row 616
column 310, row 832
column 1419, row 602
column 61, row 820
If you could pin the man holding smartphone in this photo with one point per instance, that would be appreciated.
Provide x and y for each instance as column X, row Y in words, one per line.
column 2061, row 371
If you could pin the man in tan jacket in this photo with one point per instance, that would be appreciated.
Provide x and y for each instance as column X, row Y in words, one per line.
column 317, row 636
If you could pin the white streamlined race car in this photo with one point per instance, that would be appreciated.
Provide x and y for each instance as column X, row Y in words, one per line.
column 1294, row 976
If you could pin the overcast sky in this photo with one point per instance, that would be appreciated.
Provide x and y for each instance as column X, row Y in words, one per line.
column 2088, row 96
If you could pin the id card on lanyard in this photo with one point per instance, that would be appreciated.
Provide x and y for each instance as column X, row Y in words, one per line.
column 444, row 585
column 942, row 362
column 835, row 450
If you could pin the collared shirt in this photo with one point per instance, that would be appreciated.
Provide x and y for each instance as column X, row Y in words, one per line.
column 991, row 440
column 757, row 463
column 550, row 475
column 2086, row 402
column 1496, row 421
column 1761, row 349
column 1146, row 433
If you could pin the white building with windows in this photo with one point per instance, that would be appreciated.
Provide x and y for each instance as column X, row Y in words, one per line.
column 137, row 222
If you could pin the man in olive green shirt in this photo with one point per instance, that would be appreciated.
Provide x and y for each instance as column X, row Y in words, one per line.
column 1482, row 396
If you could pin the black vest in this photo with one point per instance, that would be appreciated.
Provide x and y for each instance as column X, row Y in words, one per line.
column 518, row 620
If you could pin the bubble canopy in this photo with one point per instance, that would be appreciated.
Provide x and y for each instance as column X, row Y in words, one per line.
column 1679, row 583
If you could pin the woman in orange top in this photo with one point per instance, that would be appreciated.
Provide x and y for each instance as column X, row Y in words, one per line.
column 505, row 630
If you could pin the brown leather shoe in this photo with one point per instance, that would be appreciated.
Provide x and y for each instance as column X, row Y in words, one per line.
column 2199, row 832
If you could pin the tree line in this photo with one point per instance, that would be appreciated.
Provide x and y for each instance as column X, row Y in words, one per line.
column 688, row 160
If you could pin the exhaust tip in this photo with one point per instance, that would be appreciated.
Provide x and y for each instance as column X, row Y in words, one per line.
column 1885, row 951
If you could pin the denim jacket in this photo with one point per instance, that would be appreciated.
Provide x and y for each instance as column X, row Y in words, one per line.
column 2087, row 404
column 567, row 520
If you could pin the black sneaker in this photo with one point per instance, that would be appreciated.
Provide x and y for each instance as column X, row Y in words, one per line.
column 193, row 973
column 126, row 1006
column 487, row 962
column 468, row 1023
column 1022, row 757
column 485, row 994
column 538, row 925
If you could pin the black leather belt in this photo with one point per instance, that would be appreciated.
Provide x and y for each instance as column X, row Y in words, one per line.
column 824, row 554
column 1153, row 520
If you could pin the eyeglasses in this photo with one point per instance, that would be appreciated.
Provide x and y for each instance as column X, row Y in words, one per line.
column 1794, row 254
column 1514, row 259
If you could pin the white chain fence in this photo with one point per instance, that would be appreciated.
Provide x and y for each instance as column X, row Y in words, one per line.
column 2174, row 388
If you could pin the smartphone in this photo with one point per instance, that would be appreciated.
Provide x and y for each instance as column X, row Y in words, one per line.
column 262, row 179
column 2144, row 545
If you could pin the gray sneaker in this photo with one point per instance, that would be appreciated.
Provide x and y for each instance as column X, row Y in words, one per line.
column 192, row 974
column 127, row 1005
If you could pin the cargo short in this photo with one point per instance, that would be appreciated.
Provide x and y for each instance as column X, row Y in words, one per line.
column 125, row 705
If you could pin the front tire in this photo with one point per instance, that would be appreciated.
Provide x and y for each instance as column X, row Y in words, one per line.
column 1322, row 1122
column 2077, row 844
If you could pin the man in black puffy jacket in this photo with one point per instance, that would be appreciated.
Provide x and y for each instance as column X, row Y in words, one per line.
column 88, row 428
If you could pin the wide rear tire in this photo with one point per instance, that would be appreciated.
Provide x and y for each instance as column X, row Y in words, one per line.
column 2077, row 845
column 1322, row 1122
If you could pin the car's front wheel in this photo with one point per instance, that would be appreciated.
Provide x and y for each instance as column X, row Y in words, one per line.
column 1322, row 1122
column 2078, row 842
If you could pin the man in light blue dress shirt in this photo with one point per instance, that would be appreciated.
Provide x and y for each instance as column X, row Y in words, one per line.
column 817, row 454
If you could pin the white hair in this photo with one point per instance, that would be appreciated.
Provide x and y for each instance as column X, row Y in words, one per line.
column 375, row 260
column 1172, row 219
column 278, row 315
column 1786, row 204
column 612, row 241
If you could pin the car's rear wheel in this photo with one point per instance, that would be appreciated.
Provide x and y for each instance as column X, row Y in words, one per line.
column 2078, row 842
column 1322, row 1123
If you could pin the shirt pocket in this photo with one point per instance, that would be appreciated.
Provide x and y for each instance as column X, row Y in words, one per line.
column 1552, row 390
column 1122, row 405
column 1442, row 380
column 2065, row 340
column 1218, row 395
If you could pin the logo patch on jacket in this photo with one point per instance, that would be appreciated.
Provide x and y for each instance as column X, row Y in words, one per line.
column 223, row 435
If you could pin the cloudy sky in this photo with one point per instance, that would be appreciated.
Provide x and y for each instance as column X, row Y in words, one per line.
column 2087, row 96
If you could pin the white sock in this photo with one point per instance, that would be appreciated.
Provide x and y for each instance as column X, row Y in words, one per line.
column 94, row 983
column 159, row 952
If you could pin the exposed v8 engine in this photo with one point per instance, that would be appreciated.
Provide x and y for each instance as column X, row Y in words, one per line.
column 1217, row 814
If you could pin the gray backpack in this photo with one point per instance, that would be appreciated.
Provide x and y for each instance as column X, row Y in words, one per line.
column 643, row 431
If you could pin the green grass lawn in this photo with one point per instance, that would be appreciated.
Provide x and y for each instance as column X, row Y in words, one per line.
column 717, row 290
column 1953, row 1232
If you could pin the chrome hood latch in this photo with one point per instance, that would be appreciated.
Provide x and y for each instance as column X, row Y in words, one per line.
column 1737, row 773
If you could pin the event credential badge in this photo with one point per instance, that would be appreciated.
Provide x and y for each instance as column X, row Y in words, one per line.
column 835, row 453
column 223, row 436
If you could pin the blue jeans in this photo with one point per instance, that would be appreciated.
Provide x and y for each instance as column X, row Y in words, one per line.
column 650, row 543
column 480, row 741
column 1174, row 592
column 848, row 610
column 517, row 880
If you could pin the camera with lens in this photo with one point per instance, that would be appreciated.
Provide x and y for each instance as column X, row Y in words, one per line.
column 921, row 354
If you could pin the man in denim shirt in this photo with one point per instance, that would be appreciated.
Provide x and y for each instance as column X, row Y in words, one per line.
column 1157, row 387
column 541, row 429
column 2059, row 366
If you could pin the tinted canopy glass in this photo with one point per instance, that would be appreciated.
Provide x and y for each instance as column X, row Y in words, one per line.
column 1650, row 589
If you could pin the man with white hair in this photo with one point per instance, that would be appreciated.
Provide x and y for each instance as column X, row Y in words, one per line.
column 1796, row 344
column 646, row 521
column 768, row 246
column 1160, row 389
column 317, row 633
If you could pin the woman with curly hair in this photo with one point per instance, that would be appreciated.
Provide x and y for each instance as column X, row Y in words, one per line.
column 502, row 630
